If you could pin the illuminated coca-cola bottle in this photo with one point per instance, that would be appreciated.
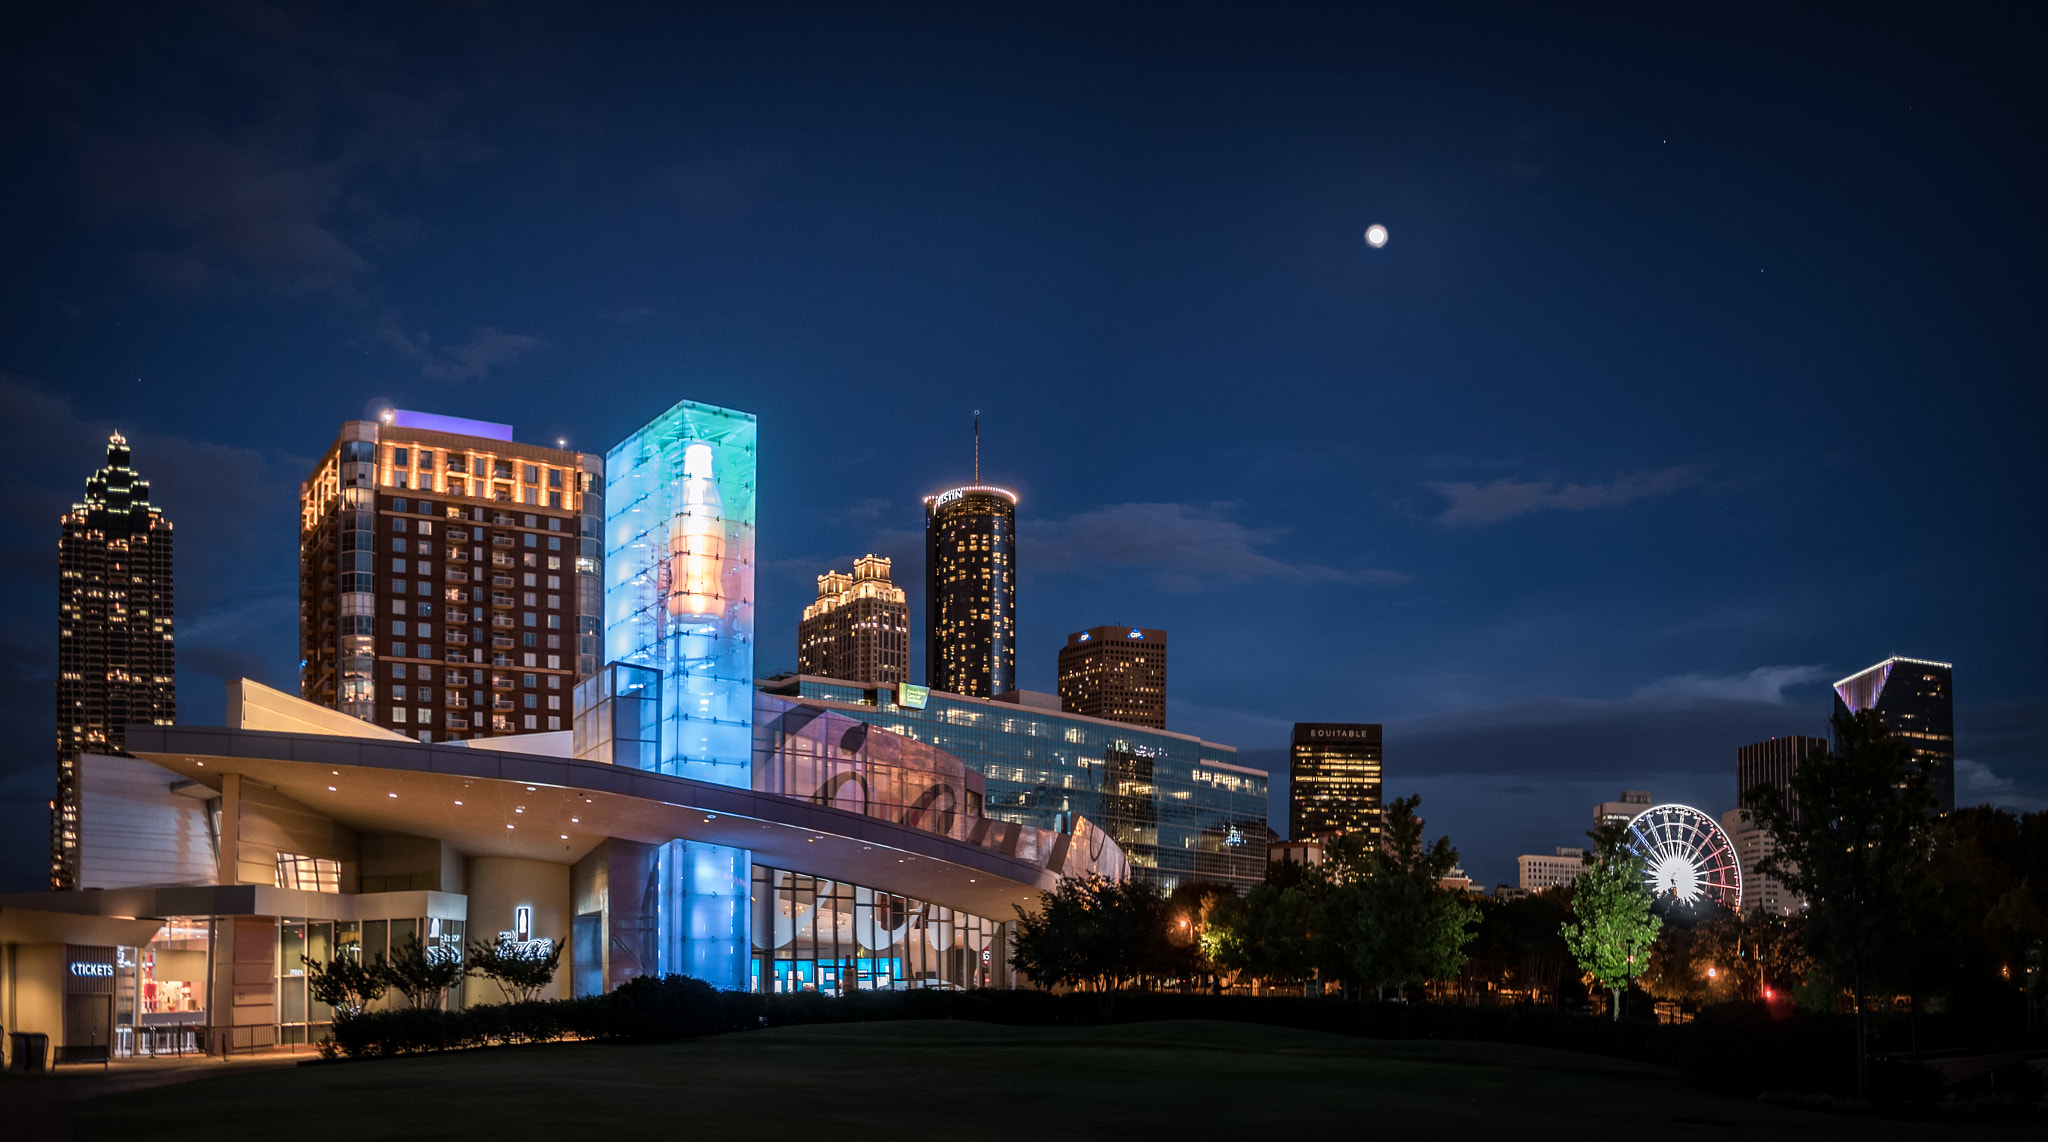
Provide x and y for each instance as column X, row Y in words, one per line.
column 696, row 544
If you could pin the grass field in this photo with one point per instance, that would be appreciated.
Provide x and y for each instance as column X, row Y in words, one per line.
column 938, row 1080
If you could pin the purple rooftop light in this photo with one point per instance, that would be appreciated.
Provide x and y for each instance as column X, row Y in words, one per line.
column 432, row 422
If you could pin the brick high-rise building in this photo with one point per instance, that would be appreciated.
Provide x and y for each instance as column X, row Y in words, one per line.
column 1334, row 780
column 1118, row 673
column 116, row 649
column 450, row 580
column 859, row 627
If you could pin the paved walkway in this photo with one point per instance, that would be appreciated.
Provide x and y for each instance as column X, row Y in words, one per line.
column 34, row 1108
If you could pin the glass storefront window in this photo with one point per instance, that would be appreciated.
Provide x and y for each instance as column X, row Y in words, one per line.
column 815, row 934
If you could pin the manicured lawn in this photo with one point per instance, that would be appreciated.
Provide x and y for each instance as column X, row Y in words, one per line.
column 930, row 1081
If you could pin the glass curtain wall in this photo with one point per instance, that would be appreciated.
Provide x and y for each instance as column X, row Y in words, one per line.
column 832, row 937
column 1181, row 808
column 303, row 1019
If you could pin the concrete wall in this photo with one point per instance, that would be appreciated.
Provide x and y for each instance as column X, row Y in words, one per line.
column 32, row 988
column 134, row 831
column 395, row 862
column 258, row 822
column 497, row 885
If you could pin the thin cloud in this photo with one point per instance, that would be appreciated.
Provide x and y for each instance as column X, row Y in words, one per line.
column 473, row 360
column 1763, row 684
column 1186, row 545
column 1479, row 504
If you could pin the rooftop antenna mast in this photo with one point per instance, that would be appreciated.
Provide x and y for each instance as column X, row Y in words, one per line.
column 977, row 448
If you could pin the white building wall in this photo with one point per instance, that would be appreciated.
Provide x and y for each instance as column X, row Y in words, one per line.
column 134, row 831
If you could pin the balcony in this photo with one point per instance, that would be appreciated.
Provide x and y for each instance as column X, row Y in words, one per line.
column 500, row 559
column 501, row 541
column 456, row 701
column 501, row 600
column 501, row 642
column 500, row 660
column 502, row 520
column 502, row 581
column 454, row 656
column 502, row 682
column 457, row 638
column 503, row 704
column 455, row 575
column 456, row 722
column 457, row 554
column 456, row 535
column 502, row 622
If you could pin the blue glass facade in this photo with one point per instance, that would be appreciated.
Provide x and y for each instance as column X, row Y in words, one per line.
column 679, row 581
column 679, row 601
column 1182, row 809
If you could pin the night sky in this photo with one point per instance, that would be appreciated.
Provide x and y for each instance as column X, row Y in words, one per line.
column 1703, row 367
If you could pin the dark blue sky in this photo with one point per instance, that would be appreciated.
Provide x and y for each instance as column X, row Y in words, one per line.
column 1704, row 365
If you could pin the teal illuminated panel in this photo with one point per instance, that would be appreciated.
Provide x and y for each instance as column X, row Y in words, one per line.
column 679, row 581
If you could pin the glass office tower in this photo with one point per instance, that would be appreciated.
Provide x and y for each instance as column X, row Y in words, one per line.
column 679, row 600
column 1181, row 808
column 1916, row 700
column 970, row 596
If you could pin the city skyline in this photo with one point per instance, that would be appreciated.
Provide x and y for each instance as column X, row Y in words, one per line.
column 1572, row 484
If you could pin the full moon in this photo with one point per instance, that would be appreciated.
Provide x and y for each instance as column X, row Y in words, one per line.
column 1375, row 235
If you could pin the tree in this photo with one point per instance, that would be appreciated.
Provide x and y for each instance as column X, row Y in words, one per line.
column 521, row 969
column 424, row 976
column 1857, row 849
column 1094, row 934
column 1266, row 934
column 1612, row 927
column 1391, row 923
column 344, row 983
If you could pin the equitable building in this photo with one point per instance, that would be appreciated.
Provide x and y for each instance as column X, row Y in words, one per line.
column 1334, row 779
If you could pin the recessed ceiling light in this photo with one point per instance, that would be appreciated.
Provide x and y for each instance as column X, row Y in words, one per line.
column 394, row 795
column 458, row 802
column 565, row 836
column 330, row 789
column 508, row 826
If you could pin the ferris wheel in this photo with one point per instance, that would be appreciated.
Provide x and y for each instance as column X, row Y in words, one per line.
column 1689, row 857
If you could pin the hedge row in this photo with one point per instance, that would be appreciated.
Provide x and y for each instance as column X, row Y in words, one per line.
column 1732, row 1048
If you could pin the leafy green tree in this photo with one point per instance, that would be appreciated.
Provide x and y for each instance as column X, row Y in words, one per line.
column 1266, row 934
column 1391, row 920
column 1612, row 926
column 1854, row 841
column 423, row 977
column 1094, row 934
column 521, row 970
column 1517, row 947
column 344, row 983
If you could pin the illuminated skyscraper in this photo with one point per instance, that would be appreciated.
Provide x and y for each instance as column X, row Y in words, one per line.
column 449, row 578
column 116, row 651
column 859, row 627
column 1118, row 673
column 1915, row 698
column 1334, row 780
column 970, row 579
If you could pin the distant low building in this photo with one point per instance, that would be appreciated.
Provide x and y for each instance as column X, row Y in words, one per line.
column 1304, row 853
column 1633, row 802
column 1752, row 845
column 1539, row 872
column 1507, row 892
